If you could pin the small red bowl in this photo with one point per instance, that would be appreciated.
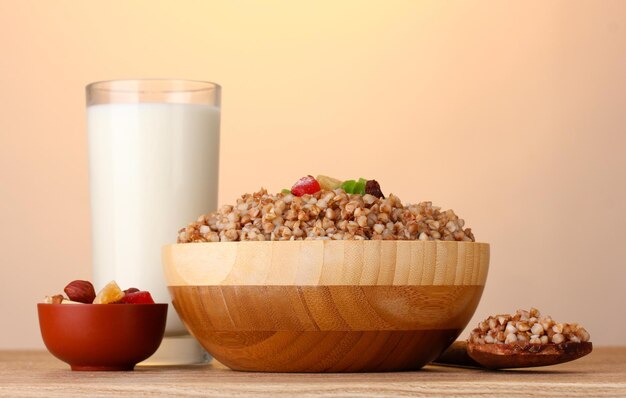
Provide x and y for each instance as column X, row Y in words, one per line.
column 102, row 336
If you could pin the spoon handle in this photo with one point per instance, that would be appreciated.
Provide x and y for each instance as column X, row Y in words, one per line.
column 456, row 355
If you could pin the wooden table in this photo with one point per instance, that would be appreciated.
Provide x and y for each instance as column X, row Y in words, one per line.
column 38, row 374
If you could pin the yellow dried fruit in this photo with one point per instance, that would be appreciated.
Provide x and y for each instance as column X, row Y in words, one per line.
column 328, row 183
column 109, row 294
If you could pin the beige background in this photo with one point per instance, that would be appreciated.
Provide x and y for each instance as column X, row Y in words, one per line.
column 511, row 113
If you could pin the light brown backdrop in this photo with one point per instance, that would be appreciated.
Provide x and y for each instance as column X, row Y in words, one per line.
column 511, row 113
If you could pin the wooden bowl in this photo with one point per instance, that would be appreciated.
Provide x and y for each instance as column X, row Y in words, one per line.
column 326, row 306
column 102, row 336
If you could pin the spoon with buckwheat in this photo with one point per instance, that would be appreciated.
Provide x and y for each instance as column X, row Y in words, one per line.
column 523, row 340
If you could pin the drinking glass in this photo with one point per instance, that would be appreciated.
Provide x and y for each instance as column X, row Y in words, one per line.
column 153, row 168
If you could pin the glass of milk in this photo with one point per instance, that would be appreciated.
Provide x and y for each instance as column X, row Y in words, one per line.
column 153, row 168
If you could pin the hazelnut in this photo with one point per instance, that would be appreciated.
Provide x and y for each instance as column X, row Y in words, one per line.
column 80, row 291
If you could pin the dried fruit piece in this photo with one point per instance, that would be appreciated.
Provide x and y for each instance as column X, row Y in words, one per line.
column 80, row 291
column 59, row 299
column 348, row 186
column 131, row 290
column 354, row 186
column 138, row 297
column 56, row 299
column 109, row 294
column 328, row 183
column 305, row 185
column 359, row 187
column 372, row 187
column 67, row 301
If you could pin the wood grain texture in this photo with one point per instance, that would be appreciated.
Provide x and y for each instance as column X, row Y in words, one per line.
column 505, row 356
column 325, row 328
column 326, row 306
column 328, row 351
column 39, row 374
column 500, row 356
column 305, row 263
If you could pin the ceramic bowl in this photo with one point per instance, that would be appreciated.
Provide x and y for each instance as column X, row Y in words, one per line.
column 326, row 306
column 102, row 336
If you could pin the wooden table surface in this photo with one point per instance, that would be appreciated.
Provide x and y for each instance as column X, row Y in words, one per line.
column 38, row 374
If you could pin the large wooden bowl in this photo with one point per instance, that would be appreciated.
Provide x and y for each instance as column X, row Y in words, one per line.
column 326, row 306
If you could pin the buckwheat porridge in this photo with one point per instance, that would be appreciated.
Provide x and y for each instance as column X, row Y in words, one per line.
column 326, row 208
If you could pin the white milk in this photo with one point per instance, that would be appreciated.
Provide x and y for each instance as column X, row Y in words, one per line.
column 153, row 169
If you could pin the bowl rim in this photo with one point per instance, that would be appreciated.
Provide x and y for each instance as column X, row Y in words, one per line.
column 325, row 241
column 326, row 262
column 82, row 305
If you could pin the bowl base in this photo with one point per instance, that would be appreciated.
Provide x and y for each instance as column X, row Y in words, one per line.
column 92, row 368
column 328, row 351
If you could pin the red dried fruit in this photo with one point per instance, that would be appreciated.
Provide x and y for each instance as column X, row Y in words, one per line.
column 131, row 290
column 139, row 297
column 80, row 291
column 306, row 185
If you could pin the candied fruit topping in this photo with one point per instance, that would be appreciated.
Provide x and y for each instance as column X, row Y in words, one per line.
column 139, row 297
column 306, row 185
column 328, row 183
column 109, row 294
column 372, row 187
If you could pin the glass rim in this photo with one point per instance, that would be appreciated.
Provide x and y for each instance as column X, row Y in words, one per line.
column 107, row 85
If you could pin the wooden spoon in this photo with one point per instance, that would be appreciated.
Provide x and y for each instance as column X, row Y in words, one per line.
column 504, row 356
